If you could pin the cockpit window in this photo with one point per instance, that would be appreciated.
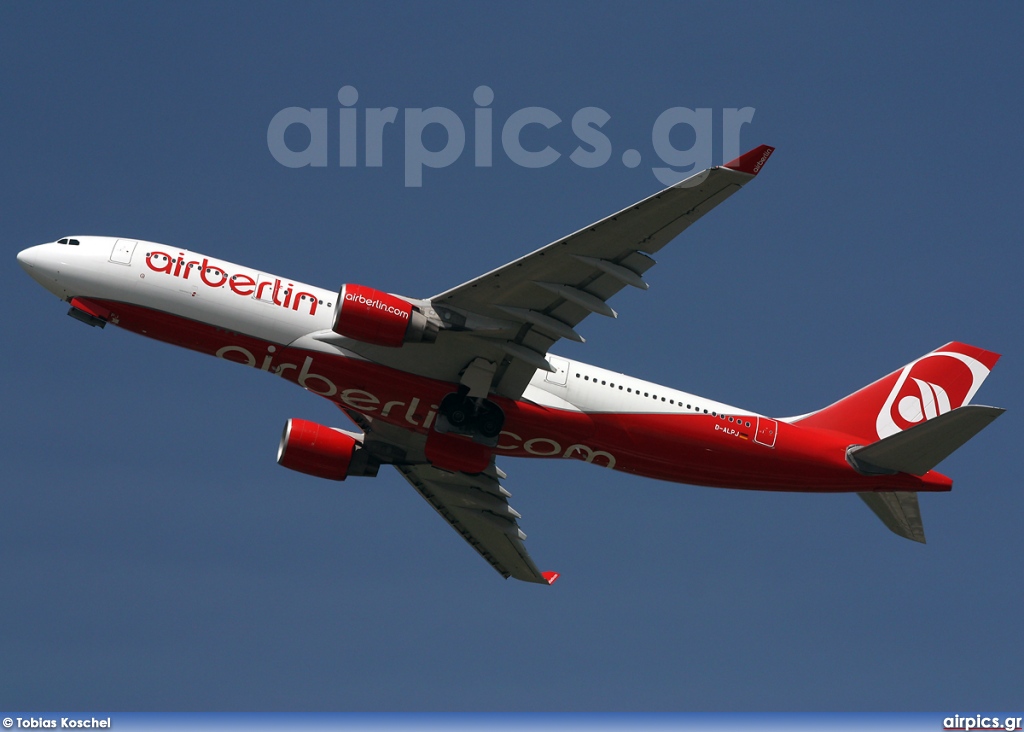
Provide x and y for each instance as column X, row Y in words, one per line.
column 62, row 241
column 73, row 242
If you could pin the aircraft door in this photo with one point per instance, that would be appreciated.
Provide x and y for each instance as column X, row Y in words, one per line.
column 767, row 431
column 561, row 372
column 265, row 289
column 122, row 252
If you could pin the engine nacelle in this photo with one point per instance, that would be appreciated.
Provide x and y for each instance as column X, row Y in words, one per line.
column 324, row 452
column 376, row 317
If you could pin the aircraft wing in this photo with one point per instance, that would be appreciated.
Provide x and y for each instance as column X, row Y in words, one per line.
column 544, row 295
column 476, row 506
column 510, row 317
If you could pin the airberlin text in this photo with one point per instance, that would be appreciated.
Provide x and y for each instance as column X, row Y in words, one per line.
column 212, row 275
column 62, row 723
column 400, row 411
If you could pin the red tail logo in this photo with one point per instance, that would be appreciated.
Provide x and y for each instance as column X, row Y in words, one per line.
column 936, row 383
column 930, row 386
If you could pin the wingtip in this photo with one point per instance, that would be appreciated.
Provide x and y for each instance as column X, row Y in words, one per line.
column 751, row 161
column 550, row 576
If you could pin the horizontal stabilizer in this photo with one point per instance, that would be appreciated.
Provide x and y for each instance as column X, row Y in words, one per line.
column 899, row 511
column 920, row 448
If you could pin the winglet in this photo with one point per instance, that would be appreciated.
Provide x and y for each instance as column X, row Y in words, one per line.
column 751, row 161
column 550, row 576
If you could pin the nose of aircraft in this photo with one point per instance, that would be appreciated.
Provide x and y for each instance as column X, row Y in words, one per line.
column 41, row 264
column 28, row 258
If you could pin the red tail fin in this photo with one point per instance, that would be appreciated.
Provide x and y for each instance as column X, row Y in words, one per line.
column 934, row 384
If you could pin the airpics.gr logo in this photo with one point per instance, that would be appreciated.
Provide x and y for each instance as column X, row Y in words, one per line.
column 530, row 137
column 932, row 385
column 956, row 722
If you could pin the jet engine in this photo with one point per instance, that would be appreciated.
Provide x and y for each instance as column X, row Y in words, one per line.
column 376, row 317
column 324, row 452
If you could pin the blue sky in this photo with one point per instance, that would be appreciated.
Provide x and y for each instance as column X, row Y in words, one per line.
column 155, row 558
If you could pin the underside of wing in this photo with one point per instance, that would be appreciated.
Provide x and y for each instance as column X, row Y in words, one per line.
column 511, row 316
column 476, row 506
column 545, row 294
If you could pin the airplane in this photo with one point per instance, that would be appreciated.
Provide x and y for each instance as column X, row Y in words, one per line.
column 441, row 387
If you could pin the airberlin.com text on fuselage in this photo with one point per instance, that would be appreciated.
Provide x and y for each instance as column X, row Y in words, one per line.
column 399, row 411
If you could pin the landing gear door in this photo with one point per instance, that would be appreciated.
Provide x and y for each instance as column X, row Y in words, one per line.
column 561, row 372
